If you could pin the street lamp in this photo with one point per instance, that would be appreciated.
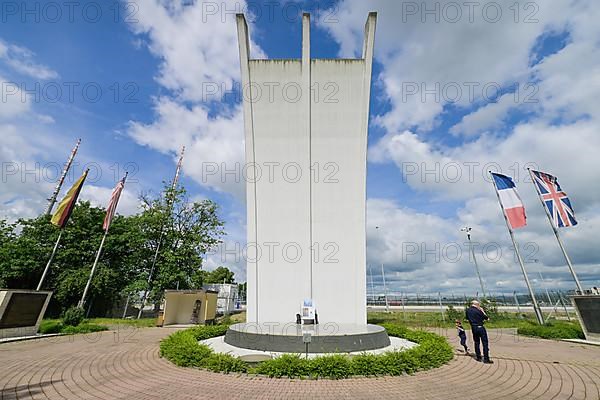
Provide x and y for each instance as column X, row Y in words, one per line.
column 468, row 229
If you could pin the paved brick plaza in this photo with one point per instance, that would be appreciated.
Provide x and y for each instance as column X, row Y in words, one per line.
column 126, row 365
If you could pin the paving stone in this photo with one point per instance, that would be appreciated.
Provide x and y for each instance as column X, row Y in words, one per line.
column 113, row 365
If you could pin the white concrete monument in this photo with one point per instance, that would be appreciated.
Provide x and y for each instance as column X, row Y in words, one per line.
column 305, row 124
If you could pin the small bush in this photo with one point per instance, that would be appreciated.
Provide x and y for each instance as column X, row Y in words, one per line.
column 49, row 327
column 182, row 349
column 74, row 316
column 287, row 365
column 368, row 365
column 335, row 366
column 224, row 363
column 208, row 331
column 552, row 330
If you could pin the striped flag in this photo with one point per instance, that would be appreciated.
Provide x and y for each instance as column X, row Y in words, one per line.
column 66, row 206
column 510, row 200
column 112, row 205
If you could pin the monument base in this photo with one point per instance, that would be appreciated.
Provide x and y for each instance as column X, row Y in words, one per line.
column 293, row 338
column 21, row 311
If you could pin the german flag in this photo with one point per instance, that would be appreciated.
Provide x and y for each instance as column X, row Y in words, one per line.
column 66, row 206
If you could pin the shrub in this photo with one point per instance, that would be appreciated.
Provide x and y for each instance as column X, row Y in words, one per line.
column 208, row 331
column 224, row 363
column 54, row 326
column 552, row 330
column 48, row 327
column 182, row 348
column 398, row 362
column 74, row 316
column 288, row 365
column 368, row 365
column 335, row 366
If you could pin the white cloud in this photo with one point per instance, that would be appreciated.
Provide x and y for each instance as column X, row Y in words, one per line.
column 21, row 60
column 490, row 116
column 454, row 51
column 460, row 172
column 211, row 143
column 99, row 196
column 13, row 101
column 195, row 47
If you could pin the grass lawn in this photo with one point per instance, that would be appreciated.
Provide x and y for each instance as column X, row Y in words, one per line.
column 93, row 325
column 139, row 323
column 49, row 326
column 554, row 329
column 434, row 319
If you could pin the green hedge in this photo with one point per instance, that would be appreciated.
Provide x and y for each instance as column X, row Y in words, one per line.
column 182, row 348
column 53, row 326
column 552, row 330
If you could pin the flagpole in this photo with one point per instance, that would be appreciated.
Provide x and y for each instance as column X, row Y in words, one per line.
column 110, row 215
column 555, row 230
column 160, row 239
column 536, row 307
column 52, row 199
column 89, row 282
column 39, row 286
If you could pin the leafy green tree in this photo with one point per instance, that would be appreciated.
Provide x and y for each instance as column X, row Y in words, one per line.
column 186, row 231
column 219, row 275
column 190, row 230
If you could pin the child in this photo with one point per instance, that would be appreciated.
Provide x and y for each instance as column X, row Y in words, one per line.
column 462, row 335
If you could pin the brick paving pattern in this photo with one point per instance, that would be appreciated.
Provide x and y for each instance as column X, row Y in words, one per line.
column 126, row 365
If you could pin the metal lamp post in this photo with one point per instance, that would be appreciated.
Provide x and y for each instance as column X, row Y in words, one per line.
column 468, row 229
column 385, row 294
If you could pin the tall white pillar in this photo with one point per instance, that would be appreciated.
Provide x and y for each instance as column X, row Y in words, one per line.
column 305, row 124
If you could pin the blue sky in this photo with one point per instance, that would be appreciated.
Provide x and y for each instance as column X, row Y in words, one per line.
column 153, row 60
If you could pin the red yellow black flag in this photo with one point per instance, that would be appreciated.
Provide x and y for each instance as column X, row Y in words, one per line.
column 66, row 206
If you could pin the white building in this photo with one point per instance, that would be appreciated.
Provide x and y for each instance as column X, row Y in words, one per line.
column 227, row 298
column 305, row 123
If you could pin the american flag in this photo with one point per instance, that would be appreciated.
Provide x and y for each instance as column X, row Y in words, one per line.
column 112, row 205
column 556, row 201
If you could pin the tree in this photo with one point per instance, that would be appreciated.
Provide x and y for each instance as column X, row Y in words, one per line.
column 186, row 231
column 218, row 275
column 24, row 256
column 191, row 229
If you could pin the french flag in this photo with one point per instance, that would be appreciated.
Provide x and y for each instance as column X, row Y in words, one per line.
column 510, row 200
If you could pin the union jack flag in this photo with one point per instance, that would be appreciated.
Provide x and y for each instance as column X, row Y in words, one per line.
column 556, row 201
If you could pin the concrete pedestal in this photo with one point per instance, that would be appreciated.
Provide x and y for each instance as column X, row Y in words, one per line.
column 291, row 338
column 21, row 311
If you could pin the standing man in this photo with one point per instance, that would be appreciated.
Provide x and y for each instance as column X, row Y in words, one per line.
column 477, row 317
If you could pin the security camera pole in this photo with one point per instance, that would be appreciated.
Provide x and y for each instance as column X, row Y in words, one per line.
column 467, row 229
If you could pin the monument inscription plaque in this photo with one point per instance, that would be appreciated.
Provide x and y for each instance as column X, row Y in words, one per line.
column 21, row 311
column 588, row 312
